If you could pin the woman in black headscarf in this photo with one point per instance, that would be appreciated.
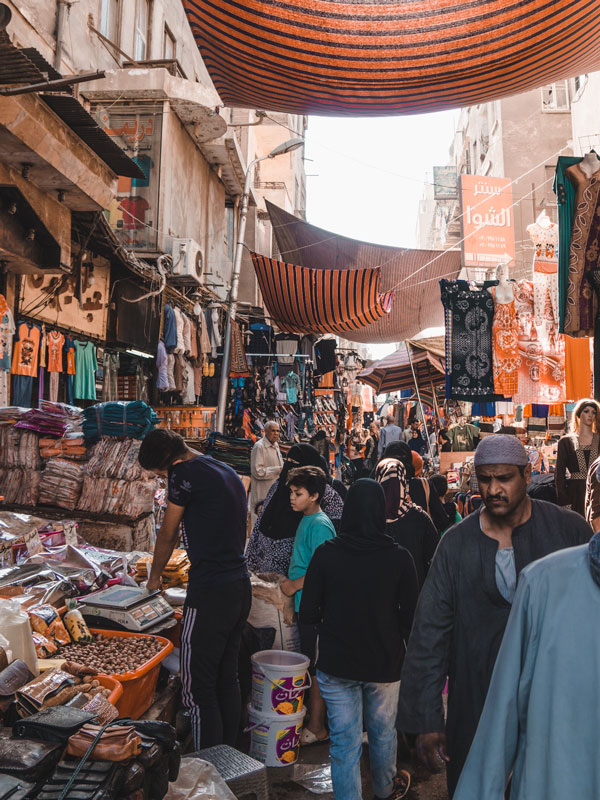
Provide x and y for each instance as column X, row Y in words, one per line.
column 418, row 487
column 361, row 591
column 406, row 522
column 272, row 540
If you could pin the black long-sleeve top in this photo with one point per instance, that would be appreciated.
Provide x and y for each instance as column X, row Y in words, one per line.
column 417, row 533
column 460, row 621
column 363, row 601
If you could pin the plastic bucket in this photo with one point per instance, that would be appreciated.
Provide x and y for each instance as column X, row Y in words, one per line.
column 279, row 680
column 275, row 740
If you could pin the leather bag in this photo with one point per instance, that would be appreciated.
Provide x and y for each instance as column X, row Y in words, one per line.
column 117, row 743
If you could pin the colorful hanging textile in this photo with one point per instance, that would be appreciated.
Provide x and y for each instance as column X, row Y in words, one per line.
column 505, row 345
column 383, row 57
column 238, row 365
column 305, row 300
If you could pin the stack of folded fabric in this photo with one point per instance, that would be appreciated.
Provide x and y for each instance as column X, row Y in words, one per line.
column 19, row 448
column 125, row 419
column 20, row 486
column 11, row 414
column 62, row 482
column 71, row 446
column 51, row 419
column 114, row 458
column 234, row 452
column 128, row 499
column 174, row 574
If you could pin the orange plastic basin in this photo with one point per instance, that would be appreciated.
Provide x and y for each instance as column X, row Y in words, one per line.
column 138, row 685
column 115, row 686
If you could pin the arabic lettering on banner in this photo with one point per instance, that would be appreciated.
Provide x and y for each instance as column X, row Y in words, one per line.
column 133, row 213
column 487, row 219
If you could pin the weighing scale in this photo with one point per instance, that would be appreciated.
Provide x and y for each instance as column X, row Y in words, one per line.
column 128, row 608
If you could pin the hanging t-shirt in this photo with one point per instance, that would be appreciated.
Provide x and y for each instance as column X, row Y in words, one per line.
column 84, row 385
column 463, row 437
column 26, row 352
column 134, row 212
column 70, row 349
column 291, row 384
column 7, row 331
column 325, row 355
column 55, row 342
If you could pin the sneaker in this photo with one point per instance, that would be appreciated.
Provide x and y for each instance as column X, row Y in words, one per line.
column 401, row 786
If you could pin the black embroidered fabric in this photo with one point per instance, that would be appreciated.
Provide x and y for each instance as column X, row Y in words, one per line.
column 470, row 333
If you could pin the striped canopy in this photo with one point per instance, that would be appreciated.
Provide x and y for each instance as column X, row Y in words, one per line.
column 394, row 372
column 304, row 300
column 414, row 275
column 358, row 57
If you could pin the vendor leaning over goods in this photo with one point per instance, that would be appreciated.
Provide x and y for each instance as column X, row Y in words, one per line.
column 209, row 499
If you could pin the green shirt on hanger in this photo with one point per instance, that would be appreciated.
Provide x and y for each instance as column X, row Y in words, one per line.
column 84, row 383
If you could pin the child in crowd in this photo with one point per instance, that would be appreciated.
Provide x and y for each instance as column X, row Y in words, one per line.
column 307, row 485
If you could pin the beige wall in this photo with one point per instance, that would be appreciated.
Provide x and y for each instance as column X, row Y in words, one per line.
column 585, row 115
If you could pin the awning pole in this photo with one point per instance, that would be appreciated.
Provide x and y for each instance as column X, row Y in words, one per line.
column 420, row 401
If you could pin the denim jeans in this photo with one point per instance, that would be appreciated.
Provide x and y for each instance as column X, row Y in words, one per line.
column 348, row 702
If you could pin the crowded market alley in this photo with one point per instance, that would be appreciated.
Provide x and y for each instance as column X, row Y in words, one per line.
column 299, row 399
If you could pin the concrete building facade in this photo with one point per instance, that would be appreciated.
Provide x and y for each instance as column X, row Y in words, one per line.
column 519, row 138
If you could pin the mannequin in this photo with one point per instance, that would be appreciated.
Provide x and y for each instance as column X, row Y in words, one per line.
column 576, row 452
column 504, row 292
column 590, row 164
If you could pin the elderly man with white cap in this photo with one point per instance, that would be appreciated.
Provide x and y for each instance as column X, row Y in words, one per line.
column 466, row 600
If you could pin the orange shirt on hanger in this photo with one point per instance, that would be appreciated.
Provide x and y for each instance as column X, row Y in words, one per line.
column 27, row 349
column 55, row 341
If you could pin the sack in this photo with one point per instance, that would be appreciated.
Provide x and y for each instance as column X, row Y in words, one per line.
column 52, row 724
column 29, row 759
column 117, row 743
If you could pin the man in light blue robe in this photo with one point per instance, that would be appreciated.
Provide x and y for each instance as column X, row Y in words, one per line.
column 541, row 719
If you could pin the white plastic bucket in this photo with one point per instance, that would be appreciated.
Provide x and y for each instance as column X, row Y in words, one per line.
column 279, row 680
column 275, row 740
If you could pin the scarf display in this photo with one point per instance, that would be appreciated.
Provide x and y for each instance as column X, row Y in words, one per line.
column 391, row 474
column 278, row 520
column 363, row 525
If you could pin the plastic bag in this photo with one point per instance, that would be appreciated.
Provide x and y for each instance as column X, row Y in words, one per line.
column 198, row 780
column 314, row 777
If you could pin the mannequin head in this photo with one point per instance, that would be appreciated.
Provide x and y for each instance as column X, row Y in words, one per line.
column 502, row 272
column 586, row 414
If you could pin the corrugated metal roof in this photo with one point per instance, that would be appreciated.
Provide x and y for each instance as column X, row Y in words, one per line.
column 45, row 67
column 73, row 114
column 16, row 66
column 412, row 274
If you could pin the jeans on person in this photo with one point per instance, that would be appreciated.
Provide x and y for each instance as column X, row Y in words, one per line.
column 211, row 635
column 348, row 702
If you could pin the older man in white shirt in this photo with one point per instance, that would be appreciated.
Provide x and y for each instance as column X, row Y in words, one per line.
column 266, row 463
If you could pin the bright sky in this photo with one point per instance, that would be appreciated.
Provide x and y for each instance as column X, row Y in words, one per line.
column 371, row 171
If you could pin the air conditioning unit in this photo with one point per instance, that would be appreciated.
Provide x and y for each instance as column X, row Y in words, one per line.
column 188, row 262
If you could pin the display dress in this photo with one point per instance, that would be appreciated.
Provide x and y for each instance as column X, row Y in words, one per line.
column 572, row 465
column 470, row 313
column 584, row 253
column 505, row 342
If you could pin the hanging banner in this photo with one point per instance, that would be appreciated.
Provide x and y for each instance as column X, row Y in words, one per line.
column 487, row 221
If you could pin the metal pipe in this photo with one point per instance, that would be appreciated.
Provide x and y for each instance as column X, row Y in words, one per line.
column 57, row 84
column 61, row 13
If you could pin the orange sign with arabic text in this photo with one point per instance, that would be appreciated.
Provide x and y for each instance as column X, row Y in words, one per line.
column 487, row 220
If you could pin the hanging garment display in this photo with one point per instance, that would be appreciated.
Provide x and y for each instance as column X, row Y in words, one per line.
column 541, row 352
column 291, row 384
column 180, row 346
column 471, row 313
column 238, row 366
column 162, row 376
column 26, row 352
column 170, row 329
column 544, row 235
column 84, row 387
column 583, row 253
column 55, row 342
column 7, row 331
column 565, row 198
column 505, row 347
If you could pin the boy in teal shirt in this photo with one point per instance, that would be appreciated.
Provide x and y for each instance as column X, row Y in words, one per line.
column 307, row 486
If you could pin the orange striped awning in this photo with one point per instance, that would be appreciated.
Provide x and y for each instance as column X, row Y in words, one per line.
column 389, row 57
column 305, row 300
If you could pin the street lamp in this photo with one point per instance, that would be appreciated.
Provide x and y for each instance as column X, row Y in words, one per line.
column 281, row 149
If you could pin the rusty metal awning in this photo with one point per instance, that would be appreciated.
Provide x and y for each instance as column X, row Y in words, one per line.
column 16, row 65
column 73, row 114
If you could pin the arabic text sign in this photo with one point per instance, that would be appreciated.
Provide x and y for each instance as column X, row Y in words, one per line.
column 487, row 219
column 445, row 183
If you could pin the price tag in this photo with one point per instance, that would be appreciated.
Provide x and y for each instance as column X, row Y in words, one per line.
column 32, row 542
column 70, row 532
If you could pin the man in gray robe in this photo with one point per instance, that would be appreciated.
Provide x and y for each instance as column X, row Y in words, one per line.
column 466, row 599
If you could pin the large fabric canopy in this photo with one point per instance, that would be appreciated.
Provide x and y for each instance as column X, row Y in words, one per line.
column 387, row 57
column 394, row 372
column 304, row 300
column 413, row 275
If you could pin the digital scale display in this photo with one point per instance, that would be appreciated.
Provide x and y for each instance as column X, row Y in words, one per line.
column 128, row 607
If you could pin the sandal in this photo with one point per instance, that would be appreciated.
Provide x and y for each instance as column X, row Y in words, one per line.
column 308, row 737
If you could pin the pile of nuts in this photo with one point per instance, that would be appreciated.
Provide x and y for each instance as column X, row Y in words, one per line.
column 113, row 655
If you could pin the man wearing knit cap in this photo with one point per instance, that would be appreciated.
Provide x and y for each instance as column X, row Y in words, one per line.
column 466, row 599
